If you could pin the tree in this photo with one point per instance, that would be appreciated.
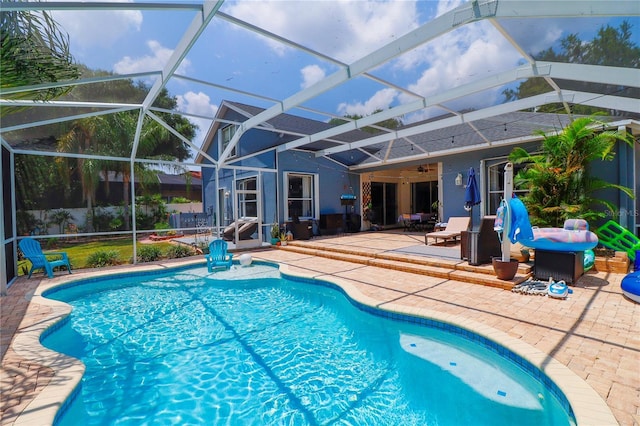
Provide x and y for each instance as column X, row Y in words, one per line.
column 82, row 139
column 610, row 47
column 113, row 135
column 558, row 178
column 33, row 50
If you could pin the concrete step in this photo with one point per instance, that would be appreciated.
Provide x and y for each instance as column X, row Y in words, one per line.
column 421, row 265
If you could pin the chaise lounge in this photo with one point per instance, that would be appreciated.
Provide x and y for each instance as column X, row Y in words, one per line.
column 246, row 228
column 454, row 228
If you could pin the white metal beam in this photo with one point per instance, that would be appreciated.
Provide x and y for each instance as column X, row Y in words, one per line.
column 78, row 82
column 411, row 40
column 592, row 99
column 468, row 12
column 67, row 118
column 591, row 73
column 189, row 38
column 12, row 6
column 180, row 136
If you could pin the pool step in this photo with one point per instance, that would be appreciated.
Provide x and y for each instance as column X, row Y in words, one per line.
column 422, row 265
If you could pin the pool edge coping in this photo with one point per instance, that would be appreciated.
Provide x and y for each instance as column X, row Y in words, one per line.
column 588, row 407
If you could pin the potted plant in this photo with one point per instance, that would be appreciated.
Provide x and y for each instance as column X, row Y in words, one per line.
column 275, row 233
column 283, row 238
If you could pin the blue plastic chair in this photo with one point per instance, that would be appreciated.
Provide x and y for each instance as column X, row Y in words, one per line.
column 39, row 260
column 218, row 255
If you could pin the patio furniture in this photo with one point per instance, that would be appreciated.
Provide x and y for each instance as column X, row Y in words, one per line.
column 417, row 221
column 246, row 228
column 566, row 266
column 454, row 228
column 331, row 224
column 408, row 222
column 218, row 256
column 39, row 260
column 478, row 247
column 301, row 229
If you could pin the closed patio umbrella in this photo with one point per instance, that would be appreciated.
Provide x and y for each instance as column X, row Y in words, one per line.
column 472, row 194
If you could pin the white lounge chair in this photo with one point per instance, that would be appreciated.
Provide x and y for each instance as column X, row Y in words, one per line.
column 454, row 228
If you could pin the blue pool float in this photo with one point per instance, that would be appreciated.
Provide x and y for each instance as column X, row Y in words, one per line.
column 631, row 286
column 631, row 283
column 574, row 236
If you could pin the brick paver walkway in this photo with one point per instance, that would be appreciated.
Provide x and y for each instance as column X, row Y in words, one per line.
column 595, row 333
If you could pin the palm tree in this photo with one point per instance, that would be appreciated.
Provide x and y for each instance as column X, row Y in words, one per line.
column 558, row 177
column 83, row 138
column 33, row 50
column 156, row 143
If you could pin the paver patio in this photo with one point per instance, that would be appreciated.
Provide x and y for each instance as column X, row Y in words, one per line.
column 595, row 333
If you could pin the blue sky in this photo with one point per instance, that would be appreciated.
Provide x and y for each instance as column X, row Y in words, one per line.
column 138, row 41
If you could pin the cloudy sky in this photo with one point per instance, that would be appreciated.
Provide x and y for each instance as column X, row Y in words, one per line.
column 229, row 55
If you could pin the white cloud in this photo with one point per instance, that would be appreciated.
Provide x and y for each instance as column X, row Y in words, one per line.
column 345, row 30
column 198, row 104
column 473, row 52
column 98, row 28
column 381, row 100
column 311, row 74
column 155, row 61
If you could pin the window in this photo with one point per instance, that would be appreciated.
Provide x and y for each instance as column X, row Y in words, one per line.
column 227, row 135
column 302, row 199
column 495, row 184
column 247, row 197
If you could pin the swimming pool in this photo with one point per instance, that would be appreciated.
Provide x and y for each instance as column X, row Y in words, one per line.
column 250, row 347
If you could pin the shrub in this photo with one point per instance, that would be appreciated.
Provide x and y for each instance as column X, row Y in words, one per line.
column 51, row 243
column 26, row 222
column 163, row 225
column 149, row 253
column 180, row 200
column 102, row 220
column 61, row 218
column 178, row 250
column 103, row 258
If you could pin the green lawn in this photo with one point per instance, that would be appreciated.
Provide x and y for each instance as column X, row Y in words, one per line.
column 79, row 252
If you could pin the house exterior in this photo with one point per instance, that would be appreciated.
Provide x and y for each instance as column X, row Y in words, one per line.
column 271, row 176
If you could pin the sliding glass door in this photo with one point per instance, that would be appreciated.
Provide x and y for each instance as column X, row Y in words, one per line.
column 384, row 202
column 423, row 195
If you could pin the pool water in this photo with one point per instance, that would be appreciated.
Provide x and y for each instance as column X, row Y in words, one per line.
column 247, row 347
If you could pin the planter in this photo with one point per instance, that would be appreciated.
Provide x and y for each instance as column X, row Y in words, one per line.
column 505, row 270
column 275, row 241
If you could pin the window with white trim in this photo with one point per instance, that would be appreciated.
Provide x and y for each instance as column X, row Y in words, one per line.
column 227, row 135
column 302, row 195
column 247, row 201
column 495, row 184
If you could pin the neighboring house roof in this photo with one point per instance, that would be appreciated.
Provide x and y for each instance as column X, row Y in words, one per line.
column 160, row 178
column 166, row 179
